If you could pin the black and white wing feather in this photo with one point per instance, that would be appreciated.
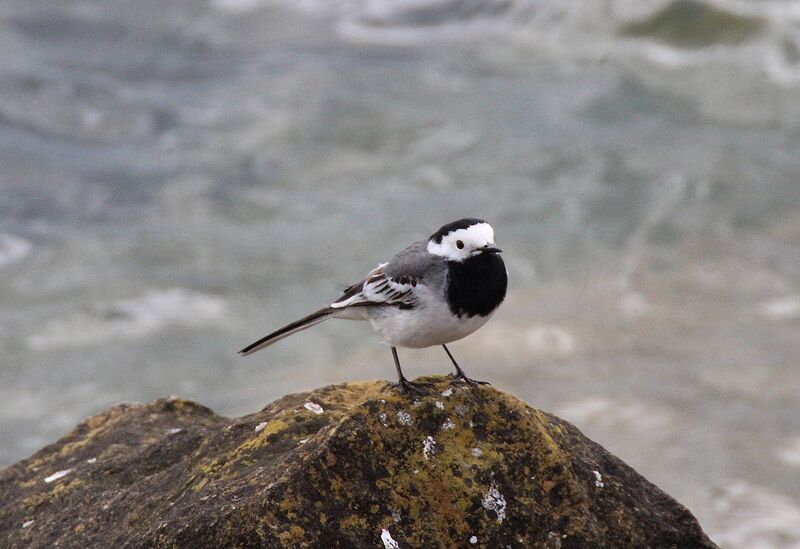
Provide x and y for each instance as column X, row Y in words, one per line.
column 380, row 289
column 397, row 282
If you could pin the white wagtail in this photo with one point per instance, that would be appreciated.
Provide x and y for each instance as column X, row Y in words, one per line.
column 435, row 291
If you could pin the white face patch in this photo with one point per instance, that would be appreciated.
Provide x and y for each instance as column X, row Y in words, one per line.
column 472, row 239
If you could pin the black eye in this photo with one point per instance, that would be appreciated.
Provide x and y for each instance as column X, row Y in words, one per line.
column 459, row 245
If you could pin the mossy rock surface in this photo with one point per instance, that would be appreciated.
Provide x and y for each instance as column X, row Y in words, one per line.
column 351, row 465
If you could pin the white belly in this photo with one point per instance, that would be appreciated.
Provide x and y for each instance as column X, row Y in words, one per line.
column 422, row 326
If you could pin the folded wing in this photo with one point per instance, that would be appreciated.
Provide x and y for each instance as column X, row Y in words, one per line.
column 380, row 289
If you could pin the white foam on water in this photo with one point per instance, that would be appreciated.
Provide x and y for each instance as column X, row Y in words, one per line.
column 753, row 517
column 783, row 308
column 790, row 453
column 633, row 305
column 319, row 7
column 129, row 319
column 238, row 6
column 547, row 339
column 418, row 21
column 18, row 404
column 609, row 413
column 780, row 68
column 581, row 30
column 13, row 249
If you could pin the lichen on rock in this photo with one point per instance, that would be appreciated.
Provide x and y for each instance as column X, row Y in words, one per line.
column 364, row 466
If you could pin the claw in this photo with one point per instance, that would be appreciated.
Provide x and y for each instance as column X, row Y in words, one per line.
column 409, row 387
column 468, row 380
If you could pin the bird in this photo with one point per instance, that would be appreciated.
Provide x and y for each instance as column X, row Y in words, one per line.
column 436, row 291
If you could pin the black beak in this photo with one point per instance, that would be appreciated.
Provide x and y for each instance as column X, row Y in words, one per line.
column 491, row 250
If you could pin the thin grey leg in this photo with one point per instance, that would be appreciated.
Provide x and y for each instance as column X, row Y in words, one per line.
column 405, row 385
column 460, row 373
column 400, row 375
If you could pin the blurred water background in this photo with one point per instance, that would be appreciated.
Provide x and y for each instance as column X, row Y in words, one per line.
column 179, row 177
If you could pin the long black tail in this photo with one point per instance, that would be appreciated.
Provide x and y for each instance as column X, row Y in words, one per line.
column 289, row 329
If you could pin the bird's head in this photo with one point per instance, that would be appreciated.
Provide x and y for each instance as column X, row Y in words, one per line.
column 462, row 239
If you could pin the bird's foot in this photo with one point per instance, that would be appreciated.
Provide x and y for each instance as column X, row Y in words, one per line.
column 461, row 377
column 409, row 387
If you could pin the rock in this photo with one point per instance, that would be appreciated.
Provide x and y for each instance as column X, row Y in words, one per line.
column 351, row 465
